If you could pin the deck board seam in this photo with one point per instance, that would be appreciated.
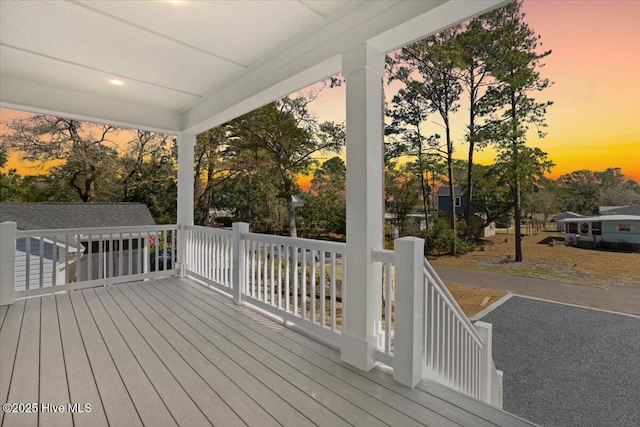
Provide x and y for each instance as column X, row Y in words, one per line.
column 84, row 346
column 178, row 332
column 137, row 359
column 64, row 358
column 158, row 356
column 216, row 297
column 306, row 368
column 154, row 350
column 15, row 355
column 321, row 358
column 111, row 357
column 241, row 349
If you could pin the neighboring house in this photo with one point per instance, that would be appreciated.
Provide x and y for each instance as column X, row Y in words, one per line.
column 459, row 204
column 37, row 254
column 608, row 231
column 619, row 210
column 563, row 216
column 445, row 204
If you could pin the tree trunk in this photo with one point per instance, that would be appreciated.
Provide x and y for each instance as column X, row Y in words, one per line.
column 518, row 216
column 423, row 185
column 516, row 177
column 451, row 189
column 472, row 133
column 291, row 214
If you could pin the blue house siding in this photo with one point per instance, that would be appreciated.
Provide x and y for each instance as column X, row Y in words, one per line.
column 444, row 201
column 615, row 231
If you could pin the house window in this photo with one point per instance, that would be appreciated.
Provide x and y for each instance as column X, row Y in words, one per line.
column 625, row 227
column 458, row 202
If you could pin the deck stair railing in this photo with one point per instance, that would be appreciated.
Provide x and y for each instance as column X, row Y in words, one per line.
column 425, row 333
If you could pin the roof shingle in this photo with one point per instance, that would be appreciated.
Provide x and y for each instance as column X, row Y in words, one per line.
column 40, row 216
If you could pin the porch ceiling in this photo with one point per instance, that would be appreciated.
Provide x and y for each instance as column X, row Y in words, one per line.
column 190, row 65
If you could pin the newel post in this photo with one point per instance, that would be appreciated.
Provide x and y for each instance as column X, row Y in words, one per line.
column 486, row 359
column 7, row 262
column 409, row 311
column 238, row 260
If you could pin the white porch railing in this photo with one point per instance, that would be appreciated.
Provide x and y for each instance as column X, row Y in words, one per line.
column 445, row 346
column 209, row 256
column 298, row 280
column 49, row 261
column 423, row 332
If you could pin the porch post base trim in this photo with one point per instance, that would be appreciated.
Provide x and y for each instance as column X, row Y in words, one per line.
column 358, row 352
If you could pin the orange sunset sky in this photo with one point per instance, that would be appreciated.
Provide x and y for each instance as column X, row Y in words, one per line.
column 595, row 66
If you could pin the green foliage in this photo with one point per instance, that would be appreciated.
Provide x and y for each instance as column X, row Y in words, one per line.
column 438, row 239
column 325, row 208
column 89, row 167
column 286, row 135
column 583, row 191
column 402, row 195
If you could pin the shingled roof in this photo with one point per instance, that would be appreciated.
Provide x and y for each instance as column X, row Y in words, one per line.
column 41, row 216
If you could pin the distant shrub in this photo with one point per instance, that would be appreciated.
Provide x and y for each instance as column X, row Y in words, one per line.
column 438, row 240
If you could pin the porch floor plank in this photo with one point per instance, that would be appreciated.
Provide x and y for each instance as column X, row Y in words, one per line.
column 80, row 379
column 118, row 405
column 171, row 352
column 220, row 314
column 53, row 380
column 9, row 336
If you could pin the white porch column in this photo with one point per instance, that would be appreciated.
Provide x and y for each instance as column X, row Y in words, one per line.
column 363, row 68
column 186, row 146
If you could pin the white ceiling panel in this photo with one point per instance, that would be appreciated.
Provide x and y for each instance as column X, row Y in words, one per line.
column 18, row 64
column 87, row 39
column 231, row 30
column 187, row 65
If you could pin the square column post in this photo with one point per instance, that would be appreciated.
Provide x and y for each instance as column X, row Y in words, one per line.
column 363, row 68
column 7, row 262
column 186, row 148
column 409, row 320
column 238, row 266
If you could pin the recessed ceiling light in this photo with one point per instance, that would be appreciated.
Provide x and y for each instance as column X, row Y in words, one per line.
column 116, row 82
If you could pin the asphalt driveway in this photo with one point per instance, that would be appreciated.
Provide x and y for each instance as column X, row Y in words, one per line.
column 567, row 366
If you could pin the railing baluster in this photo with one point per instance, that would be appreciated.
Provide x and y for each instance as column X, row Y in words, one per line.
column 295, row 279
column 323, row 292
column 333, row 292
column 279, row 276
column 313, row 286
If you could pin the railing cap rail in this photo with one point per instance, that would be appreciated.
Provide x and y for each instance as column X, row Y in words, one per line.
column 96, row 230
column 319, row 245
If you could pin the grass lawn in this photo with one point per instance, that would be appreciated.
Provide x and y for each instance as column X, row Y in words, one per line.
column 560, row 263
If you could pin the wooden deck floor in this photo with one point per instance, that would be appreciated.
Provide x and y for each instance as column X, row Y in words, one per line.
column 169, row 352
